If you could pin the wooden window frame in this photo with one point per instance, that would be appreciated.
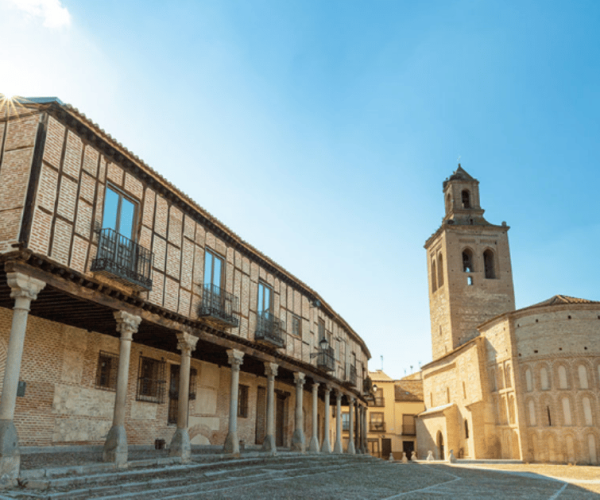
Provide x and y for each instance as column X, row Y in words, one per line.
column 113, row 370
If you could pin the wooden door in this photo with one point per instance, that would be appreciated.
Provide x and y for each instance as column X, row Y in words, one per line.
column 261, row 415
column 386, row 448
column 280, row 420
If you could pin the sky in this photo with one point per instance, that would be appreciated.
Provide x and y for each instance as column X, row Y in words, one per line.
column 321, row 131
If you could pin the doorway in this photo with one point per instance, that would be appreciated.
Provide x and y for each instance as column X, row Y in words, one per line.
column 386, row 448
column 408, row 447
column 440, row 445
column 261, row 415
column 280, row 414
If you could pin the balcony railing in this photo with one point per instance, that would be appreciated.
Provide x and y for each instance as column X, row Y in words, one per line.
column 376, row 426
column 378, row 401
column 219, row 306
column 123, row 260
column 409, row 430
column 270, row 330
column 326, row 359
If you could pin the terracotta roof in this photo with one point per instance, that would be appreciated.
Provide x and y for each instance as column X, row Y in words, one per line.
column 409, row 390
column 380, row 376
column 563, row 299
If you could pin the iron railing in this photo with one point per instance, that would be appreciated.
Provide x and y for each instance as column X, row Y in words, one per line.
column 220, row 306
column 378, row 401
column 270, row 330
column 124, row 260
column 376, row 426
column 326, row 359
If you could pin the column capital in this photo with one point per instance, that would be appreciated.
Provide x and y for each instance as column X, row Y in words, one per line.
column 299, row 378
column 127, row 324
column 235, row 358
column 271, row 369
column 327, row 388
column 339, row 394
column 315, row 386
column 186, row 342
column 351, row 400
column 24, row 286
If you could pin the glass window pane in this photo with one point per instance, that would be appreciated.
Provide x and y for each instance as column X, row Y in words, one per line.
column 267, row 299
column 111, row 205
column 218, row 263
column 126, row 219
column 208, row 258
column 261, row 292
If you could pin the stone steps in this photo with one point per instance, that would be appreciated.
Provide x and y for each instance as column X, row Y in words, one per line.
column 183, row 480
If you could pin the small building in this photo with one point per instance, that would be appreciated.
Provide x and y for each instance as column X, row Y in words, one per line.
column 391, row 414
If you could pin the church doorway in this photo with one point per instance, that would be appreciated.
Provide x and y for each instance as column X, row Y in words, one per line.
column 440, row 445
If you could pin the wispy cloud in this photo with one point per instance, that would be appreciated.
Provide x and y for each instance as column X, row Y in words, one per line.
column 52, row 12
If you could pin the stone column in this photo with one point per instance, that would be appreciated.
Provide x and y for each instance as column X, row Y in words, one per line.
column 357, row 437
column 298, row 443
column 24, row 289
column 271, row 373
column 232, row 443
column 115, row 447
column 351, row 449
column 337, row 447
column 326, row 446
column 314, row 440
column 365, row 430
column 180, row 444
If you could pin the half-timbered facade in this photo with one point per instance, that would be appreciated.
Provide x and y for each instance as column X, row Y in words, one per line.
column 123, row 304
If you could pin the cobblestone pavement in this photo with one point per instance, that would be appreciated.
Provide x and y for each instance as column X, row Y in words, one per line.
column 314, row 477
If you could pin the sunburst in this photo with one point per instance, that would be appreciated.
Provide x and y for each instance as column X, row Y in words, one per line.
column 10, row 104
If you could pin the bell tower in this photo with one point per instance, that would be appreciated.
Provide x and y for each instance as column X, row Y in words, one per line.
column 469, row 268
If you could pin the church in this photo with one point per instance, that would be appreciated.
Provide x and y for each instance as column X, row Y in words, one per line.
column 504, row 383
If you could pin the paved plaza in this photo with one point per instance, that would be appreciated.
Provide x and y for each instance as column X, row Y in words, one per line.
column 311, row 477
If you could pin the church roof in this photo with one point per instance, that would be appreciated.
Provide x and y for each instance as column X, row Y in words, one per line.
column 460, row 174
column 563, row 299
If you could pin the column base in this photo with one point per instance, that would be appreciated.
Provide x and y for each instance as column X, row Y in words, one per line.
column 232, row 444
column 10, row 456
column 298, row 441
column 351, row 450
column 337, row 448
column 313, row 447
column 326, row 447
column 115, row 447
column 269, row 444
column 180, row 445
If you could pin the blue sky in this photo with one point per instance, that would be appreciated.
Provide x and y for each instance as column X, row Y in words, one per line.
column 321, row 131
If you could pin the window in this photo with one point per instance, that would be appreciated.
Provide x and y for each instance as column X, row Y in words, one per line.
column 346, row 421
column 265, row 298
column 587, row 411
column 583, row 377
column 549, row 421
column 213, row 269
column 466, row 429
column 408, row 425
column 566, row 405
column 489, row 265
column 119, row 213
column 321, row 329
column 376, row 422
column 448, row 203
column 296, row 326
column 532, row 420
column 467, row 257
column 243, row 401
column 151, row 380
column 466, row 198
column 440, row 271
column 106, row 373
column 528, row 380
column 545, row 383
column 433, row 276
column 562, row 378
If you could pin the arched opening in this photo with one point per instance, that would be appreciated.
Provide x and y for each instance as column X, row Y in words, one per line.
column 562, row 378
column 433, row 276
column 440, row 271
column 448, row 203
column 544, row 381
column 466, row 429
column 489, row 265
column 528, row 380
column 440, row 446
column 587, row 412
column 566, row 406
column 466, row 198
column 532, row 419
column 583, row 377
column 467, row 258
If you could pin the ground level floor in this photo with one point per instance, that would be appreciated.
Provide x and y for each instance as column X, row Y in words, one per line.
column 308, row 476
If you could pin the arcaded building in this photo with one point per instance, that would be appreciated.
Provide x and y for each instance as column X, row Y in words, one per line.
column 128, row 314
column 503, row 383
